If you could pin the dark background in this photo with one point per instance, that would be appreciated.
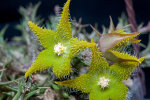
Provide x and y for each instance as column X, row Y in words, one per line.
column 91, row 11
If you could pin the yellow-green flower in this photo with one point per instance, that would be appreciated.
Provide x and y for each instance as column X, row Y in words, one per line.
column 59, row 46
column 103, row 82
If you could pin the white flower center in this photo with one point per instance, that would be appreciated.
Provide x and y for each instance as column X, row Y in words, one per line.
column 59, row 49
column 103, row 82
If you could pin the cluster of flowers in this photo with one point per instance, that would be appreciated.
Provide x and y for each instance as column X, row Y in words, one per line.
column 103, row 81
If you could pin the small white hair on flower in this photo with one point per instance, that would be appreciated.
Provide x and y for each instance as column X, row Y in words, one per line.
column 103, row 82
column 59, row 49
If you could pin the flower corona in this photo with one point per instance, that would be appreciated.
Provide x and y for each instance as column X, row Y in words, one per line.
column 103, row 82
column 59, row 49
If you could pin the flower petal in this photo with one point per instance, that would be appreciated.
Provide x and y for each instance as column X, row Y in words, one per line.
column 46, row 37
column 82, row 83
column 124, row 70
column 64, row 27
column 78, row 46
column 116, row 91
column 98, row 62
column 62, row 67
column 43, row 61
column 118, row 57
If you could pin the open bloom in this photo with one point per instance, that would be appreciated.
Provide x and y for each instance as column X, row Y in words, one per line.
column 103, row 82
column 59, row 46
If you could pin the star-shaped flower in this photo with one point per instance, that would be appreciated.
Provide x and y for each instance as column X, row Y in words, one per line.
column 103, row 82
column 59, row 46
